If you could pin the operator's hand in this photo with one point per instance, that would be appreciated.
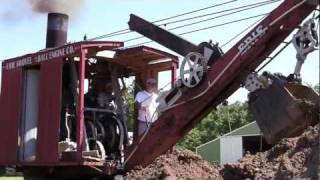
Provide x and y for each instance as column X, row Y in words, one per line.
column 143, row 108
column 124, row 92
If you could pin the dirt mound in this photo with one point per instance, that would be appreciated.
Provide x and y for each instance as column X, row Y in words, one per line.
column 291, row 158
column 180, row 164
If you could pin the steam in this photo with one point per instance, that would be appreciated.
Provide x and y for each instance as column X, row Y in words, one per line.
column 13, row 11
column 60, row 6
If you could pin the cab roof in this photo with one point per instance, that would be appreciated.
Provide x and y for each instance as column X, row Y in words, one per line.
column 135, row 58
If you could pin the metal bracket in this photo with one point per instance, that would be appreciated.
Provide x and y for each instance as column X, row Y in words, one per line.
column 254, row 82
column 305, row 40
column 168, row 98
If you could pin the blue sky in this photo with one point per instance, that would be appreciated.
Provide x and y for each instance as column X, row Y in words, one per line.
column 23, row 31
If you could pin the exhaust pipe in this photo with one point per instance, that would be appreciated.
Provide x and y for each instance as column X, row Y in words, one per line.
column 57, row 30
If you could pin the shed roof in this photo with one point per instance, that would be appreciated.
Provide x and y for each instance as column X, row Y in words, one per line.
column 246, row 130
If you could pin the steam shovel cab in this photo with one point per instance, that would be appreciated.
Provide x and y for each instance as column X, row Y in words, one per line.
column 48, row 127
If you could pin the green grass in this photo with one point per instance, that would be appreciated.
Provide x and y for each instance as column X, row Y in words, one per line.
column 11, row 178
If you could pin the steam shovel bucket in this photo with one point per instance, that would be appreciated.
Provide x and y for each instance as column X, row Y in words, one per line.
column 284, row 109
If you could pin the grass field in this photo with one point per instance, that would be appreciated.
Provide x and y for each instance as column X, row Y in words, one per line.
column 11, row 178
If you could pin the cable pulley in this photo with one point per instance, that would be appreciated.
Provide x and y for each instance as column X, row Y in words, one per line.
column 192, row 69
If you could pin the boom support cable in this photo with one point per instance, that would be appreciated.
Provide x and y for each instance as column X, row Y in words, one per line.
column 205, row 28
column 208, row 19
column 126, row 31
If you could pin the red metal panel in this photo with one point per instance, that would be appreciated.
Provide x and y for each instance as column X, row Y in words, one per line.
column 10, row 108
column 49, row 111
column 49, row 54
column 80, row 110
column 173, row 73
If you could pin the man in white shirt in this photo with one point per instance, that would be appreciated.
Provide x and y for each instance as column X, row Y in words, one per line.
column 146, row 104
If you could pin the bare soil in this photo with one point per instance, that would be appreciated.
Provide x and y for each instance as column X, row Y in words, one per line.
column 180, row 164
column 291, row 158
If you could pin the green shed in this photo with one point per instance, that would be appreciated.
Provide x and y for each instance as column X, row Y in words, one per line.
column 232, row 146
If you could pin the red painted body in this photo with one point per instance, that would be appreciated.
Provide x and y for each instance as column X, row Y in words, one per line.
column 50, row 62
column 49, row 111
column 222, row 79
column 10, row 115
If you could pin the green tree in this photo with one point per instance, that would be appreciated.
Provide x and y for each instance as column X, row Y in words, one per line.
column 129, row 96
column 215, row 124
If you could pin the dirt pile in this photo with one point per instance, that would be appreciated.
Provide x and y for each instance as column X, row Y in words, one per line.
column 180, row 164
column 291, row 158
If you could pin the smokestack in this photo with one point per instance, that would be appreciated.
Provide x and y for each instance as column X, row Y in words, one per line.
column 57, row 29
